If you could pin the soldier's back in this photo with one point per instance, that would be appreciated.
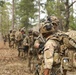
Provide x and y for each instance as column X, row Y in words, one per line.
column 18, row 35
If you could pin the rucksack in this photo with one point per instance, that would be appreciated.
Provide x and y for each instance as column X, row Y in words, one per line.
column 18, row 36
column 72, row 48
column 67, row 41
column 12, row 36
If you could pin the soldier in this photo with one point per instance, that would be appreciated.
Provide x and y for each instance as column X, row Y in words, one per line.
column 18, row 37
column 30, row 51
column 9, row 41
column 23, row 33
column 47, row 30
column 35, row 35
column 26, row 45
column 5, row 39
column 19, row 41
column 12, row 38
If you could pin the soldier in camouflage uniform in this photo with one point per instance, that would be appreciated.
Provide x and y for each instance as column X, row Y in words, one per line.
column 18, row 38
column 39, row 64
column 30, row 51
column 9, row 37
column 23, row 33
column 35, row 35
column 5, row 39
column 28, row 47
column 12, row 38
column 49, row 28
column 69, row 58
column 25, row 45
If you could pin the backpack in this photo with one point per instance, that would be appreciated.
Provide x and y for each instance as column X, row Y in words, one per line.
column 72, row 48
column 18, row 36
column 25, row 41
column 72, row 38
column 12, row 36
column 67, row 50
column 66, row 54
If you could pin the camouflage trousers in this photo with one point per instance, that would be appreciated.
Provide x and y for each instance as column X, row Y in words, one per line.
column 32, row 59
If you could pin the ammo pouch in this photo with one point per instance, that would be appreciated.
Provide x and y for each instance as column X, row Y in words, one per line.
column 72, row 57
column 66, row 63
column 74, row 60
column 56, row 58
column 31, row 51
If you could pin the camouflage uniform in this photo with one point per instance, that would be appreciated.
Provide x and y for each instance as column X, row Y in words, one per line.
column 48, row 29
column 39, row 40
column 49, row 48
column 9, row 37
column 5, row 39
column 70, row 51
column 26, row 45
column 12, row 38
column 18, row 38
column 35, row 36
column 30, row 51
column 19, row 41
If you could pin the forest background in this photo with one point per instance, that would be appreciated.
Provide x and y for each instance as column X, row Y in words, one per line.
column 29, row 13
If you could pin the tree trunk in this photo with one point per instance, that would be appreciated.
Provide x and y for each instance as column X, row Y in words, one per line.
column 67, row 15
column 59, row 13
column 12, row 14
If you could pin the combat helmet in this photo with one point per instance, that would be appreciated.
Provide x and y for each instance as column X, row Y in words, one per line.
column 49, row 25
column 23, row 29
column 54, row 20
column 10, row 30
column 35, row 33
column 30, row 31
